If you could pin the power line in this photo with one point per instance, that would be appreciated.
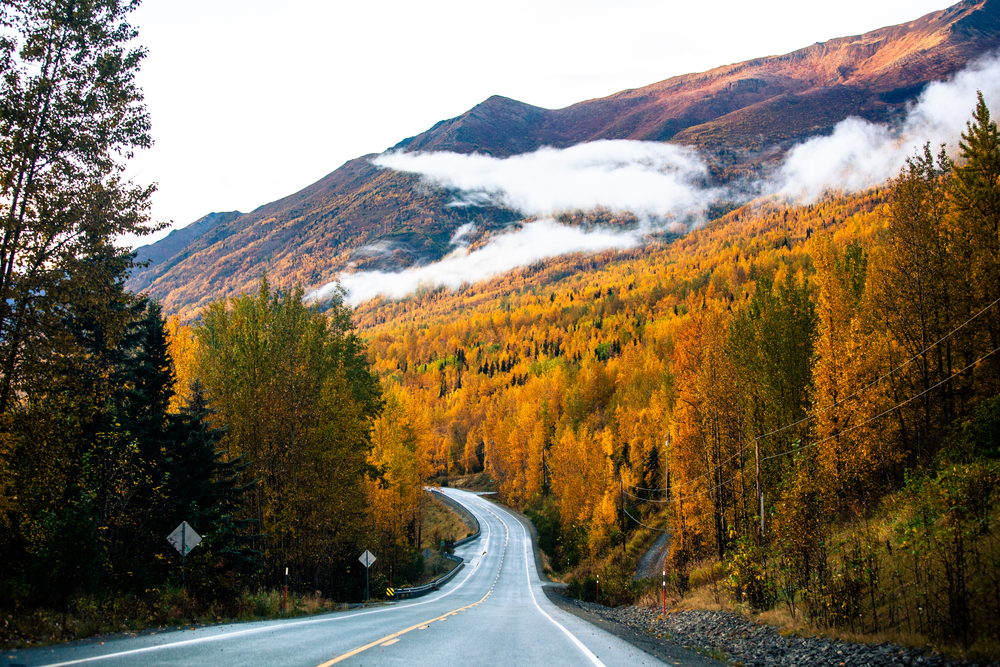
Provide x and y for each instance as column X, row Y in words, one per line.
column 822, row 440
column 867, row 386
column 884, row 412
column 884, row 376
column 660, row 530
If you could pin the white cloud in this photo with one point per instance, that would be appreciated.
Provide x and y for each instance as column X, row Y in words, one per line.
column 531, row 243
column 663, row 184
column 860, row 154
column 646, row 178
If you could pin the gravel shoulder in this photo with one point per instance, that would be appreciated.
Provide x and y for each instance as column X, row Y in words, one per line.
column 636, row 635
column 737, row 640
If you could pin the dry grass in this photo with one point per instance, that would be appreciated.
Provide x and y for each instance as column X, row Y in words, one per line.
column 314, row 604
column 547, row 568
column 708, row 594
column 782, row 619
column 479, row 481
column 441, row 522
column 708, row 573
column 86, row 617
column 434, row 567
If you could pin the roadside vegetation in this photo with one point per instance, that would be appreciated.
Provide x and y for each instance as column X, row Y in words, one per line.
column 441, row 523
column 804, row 396
column 156, row 611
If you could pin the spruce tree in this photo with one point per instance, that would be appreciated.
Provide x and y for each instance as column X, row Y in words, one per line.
column 976, row 222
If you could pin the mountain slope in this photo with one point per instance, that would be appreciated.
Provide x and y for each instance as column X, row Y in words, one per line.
column 358, row 215
column 740, row 116
column 169, row 250
column 868, row 75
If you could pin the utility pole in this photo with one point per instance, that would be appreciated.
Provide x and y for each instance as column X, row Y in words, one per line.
column 621, row 492
column 666, row 468
column 760, row 490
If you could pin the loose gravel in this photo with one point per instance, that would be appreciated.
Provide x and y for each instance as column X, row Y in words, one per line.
column 736, row 640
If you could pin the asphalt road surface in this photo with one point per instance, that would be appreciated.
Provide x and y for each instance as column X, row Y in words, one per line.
column 492, row 613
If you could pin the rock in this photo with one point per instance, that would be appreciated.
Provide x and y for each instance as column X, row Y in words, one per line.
column 756, row 645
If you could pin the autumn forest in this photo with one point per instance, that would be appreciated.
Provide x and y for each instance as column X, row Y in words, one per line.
column 805, row 398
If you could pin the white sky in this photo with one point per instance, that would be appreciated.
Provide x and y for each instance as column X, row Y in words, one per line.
column 254, row 100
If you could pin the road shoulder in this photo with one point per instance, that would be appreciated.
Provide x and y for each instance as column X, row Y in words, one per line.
column 660, row 647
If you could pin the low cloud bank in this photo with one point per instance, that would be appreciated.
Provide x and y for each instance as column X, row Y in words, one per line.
column 646, row 178
column 531, row 243
column 661, row 183
column 860, row 155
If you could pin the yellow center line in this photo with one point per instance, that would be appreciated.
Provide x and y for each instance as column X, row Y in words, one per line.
column 393, row 638
column 388, row 638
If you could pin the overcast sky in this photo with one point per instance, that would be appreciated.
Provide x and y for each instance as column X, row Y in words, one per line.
column 252, row 100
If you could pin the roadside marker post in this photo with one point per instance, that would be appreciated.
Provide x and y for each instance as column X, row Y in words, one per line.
column 284, row 599
column 597, row 598
column 664, row 591
column 184, row 539
column 367, row 558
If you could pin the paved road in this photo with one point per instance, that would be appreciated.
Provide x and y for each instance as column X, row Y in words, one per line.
column 493, row 613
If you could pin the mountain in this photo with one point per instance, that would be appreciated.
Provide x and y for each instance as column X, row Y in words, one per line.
column 160, row 256
column 358, row 215
column 740, row 116
column 748, row 106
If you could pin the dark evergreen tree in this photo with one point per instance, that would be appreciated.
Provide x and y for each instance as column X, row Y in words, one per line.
column 975, row 191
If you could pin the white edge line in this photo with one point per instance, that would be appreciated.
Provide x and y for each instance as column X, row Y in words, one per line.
column 267, row 628
column 527, row 575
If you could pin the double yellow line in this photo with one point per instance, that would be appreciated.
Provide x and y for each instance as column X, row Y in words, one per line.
column 393, row 637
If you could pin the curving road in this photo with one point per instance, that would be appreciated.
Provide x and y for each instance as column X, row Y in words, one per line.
column 493, row 613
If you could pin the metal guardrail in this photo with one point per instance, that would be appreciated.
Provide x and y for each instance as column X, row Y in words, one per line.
column 462, row 510
column 417, row 591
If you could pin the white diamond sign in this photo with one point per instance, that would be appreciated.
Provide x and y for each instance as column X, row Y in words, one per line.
column 184, row 539
column 367, row 558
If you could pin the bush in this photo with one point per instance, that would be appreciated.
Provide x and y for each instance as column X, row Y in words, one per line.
column 563, row 546
column 749, row 580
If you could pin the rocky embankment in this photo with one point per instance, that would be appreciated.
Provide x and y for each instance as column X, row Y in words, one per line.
column 736, row 640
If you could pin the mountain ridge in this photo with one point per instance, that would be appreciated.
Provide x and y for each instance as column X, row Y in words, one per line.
column 890, row 65
column 741, row 117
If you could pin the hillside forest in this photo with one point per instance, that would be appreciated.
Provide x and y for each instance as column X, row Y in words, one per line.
column 805, row 397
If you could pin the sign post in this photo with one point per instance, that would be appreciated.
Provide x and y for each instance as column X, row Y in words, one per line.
column 367, row 558
column 184, row 539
